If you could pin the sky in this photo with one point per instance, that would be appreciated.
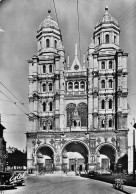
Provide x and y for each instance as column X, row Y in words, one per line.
column 19, row 21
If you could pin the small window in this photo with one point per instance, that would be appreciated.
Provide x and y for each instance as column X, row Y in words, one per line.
column 110, row 104
column 103, row 123
column 103, row 65
column 50, row 87
column 76, row 67
column 50, row 106
column 50, row 68
column 99, row 40
column 44, row 106
column 44, row 87
column 107, row 38
column 40, row 44
column 50, row 126
column 110, row 83
column 44, row 69
column 103, row 104
column 47, row 43
column 82, row 85
column 92, row 158
column 115, row 39
column 75, row 123
column 103, row 84
column 76, row 85
column 110, row 123
column 70, row 86
column 55, row 44
column 110, row 64
column 44, row 126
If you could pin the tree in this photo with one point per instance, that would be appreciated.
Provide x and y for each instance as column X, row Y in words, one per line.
column 17, row 158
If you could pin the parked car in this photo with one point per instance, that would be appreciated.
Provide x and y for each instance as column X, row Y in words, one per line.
column 5, row 180
column 92, row 173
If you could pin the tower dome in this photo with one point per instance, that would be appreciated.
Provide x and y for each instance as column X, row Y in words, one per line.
column 106, row 34
column 106, row 19
column 48, row 36
column 48, row 23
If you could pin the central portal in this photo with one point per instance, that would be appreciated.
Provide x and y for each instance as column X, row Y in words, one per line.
column 75, row 157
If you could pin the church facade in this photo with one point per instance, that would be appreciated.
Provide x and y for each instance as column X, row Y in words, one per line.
column 78, row 112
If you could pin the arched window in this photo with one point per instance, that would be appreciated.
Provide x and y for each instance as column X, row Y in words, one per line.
column 103, row 84
column 44, row 106
column 114, row 39
column 44, row 126
column 50, row 87
column 110, row 64
column 82, row 85
column 55, row 44
column 110, row 104
column 47, row 43
column 103, row 104
column 70, row 111
column 50, row 126
column 103, row 65
column 98, row 39
column 110, row 122
column 50, row 106
column 70, row 86
column 50, row 68
column 44, row 87
column 75, row 123
column 102, row 123
column 107, row 38
column 82, row 112
column 76, row 85
column 44, row 69
column 110, row 83
column 40, row 44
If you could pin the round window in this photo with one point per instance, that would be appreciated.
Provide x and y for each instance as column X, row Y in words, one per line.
column 76, row 67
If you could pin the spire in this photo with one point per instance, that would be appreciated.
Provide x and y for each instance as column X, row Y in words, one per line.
column 68, row 66
column 76, row 50
column 83, row 62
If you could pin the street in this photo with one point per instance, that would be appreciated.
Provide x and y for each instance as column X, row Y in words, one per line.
column 62, row 184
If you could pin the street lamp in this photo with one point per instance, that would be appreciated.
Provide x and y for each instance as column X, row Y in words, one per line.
column 75, row 165
column 134, row 151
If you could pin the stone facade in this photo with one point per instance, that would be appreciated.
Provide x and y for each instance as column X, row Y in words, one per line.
column 77, row 108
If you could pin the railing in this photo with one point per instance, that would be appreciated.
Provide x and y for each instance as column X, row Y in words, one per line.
column 84, row 73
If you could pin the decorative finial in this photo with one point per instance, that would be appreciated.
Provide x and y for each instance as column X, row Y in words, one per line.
column 49, row 11
column 106, row 9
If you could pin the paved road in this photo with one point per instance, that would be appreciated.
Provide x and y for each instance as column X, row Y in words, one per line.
column 58, row 184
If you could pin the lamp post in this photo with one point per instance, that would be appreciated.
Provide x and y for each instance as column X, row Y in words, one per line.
column 134, row 151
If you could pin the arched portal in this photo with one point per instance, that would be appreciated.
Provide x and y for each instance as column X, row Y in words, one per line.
column 75, row 157
column 106, row 157
column 45, row 159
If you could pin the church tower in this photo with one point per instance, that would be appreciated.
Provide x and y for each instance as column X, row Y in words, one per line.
column 46, row 87
column 108, row 91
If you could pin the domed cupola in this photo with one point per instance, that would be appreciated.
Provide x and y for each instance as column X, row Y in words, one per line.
column 107, row 19
column 48, row 36
column 106, row 32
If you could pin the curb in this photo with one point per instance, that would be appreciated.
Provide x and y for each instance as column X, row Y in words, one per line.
column 124, row 190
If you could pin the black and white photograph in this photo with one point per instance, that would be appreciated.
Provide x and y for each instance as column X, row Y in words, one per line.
column 67, row 96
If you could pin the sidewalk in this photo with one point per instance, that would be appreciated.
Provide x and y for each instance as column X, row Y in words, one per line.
column 129, row 190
